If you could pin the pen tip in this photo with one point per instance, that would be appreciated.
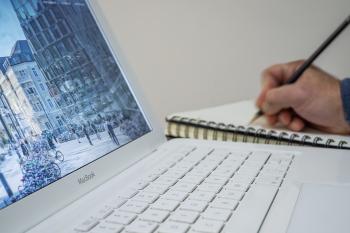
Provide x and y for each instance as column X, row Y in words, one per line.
column 256, row 116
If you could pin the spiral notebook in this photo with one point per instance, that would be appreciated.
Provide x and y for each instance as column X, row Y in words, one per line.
column 231, row 122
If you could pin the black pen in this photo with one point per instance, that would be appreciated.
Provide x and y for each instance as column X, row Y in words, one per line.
column 297, row 74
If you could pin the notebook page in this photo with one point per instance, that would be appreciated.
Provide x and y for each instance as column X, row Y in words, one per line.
column 239, row 113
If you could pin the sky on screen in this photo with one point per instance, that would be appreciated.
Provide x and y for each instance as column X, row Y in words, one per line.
column 10, row 29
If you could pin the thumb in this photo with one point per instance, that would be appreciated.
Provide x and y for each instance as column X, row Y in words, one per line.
column 279, row 98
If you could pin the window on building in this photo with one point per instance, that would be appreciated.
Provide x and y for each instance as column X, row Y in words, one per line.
column 47, row 56
column 41, row 39
column 55, row 32
column 42, row 86
column 29, row 10
column 63, row 28
column 48, row 125
column 42, row 22
column 22, row 13
column 48, row 36
column 37, row 5
column 38, row 105
column 31, row 91
column 34, row 42
column 50, row 103
column 34, row 72
column 54, row 52
column 59, row 121
column 56, row 11
column 49, row 17
column 34, row 26
column 61, row 48
column 27, row 30
column 68, row 44
column 35, row 108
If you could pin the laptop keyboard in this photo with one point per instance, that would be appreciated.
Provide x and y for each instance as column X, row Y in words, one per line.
column 200, row 190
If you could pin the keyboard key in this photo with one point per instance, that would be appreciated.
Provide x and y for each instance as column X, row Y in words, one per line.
column 221, row 153
column 272, row 172
column 175, row 195
column 193, row 205
column 269, row 180
column 146, row 197
column 116, row 203
column 173, row 227
column 154, row 215
column 107, row 228
column 231, row 194
column 86, row 225
column 208, row 166
column 151, row 177
column 215, row 180
column 184, row 150
column 254, row 207
column 156, row 188
column 199, row 172
column 202, row 196
column 281, row 158
column 134, row 206
column 216, row 214
column 175, row 173
column 128, row 193
column 165, row 180
column 164, row 204
column 159, row 170
column 184, row 216
column 259, row 156
column 139, row 226
column 141, row 184
column 208, row 187
column 192, row 179
column 184, row 187
column 224, row 203
column 207, row 226
column 226, row 173
column 120, row 217
column 102, row 213
column 237, row 185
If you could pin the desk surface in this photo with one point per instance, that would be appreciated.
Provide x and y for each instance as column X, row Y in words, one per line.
column 196, row 53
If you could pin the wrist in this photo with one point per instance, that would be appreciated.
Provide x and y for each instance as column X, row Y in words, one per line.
column 345, row 98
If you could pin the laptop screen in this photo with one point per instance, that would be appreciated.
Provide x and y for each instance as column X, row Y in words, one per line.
column 64, row 101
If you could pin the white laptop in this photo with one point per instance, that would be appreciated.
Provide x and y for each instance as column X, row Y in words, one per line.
column 80, row 150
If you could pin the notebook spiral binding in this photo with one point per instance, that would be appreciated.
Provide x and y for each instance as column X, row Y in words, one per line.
column 249, row 133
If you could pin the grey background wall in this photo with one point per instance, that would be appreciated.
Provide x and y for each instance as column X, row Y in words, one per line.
column 191, row 54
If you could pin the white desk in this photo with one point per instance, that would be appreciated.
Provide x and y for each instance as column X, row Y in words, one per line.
column 197, row 53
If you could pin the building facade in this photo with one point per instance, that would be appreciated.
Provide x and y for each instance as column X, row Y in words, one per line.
column 25, row 89
column 80, row 71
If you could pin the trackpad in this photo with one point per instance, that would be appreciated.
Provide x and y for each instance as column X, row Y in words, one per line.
column 322, row 209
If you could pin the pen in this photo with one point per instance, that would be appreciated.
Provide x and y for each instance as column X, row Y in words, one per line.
column 297, row 74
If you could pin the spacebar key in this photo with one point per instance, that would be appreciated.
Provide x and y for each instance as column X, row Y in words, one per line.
column 252, row 210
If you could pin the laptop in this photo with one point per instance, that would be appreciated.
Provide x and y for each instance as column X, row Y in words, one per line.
column 81, row 151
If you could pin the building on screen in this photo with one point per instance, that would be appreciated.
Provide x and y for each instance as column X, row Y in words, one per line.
column 25, row 91
column 82, row 75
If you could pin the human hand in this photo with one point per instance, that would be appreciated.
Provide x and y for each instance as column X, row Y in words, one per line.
column 313, row 100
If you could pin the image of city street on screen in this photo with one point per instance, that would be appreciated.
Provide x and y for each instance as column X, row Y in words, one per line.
column 63, row 99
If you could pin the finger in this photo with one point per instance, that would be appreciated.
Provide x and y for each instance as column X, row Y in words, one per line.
column 275, row 76
column 297, row 124
column 283, row 97
column 271, row 120
column 285, row 117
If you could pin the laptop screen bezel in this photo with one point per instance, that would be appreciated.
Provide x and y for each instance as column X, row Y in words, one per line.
column 32, row 209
